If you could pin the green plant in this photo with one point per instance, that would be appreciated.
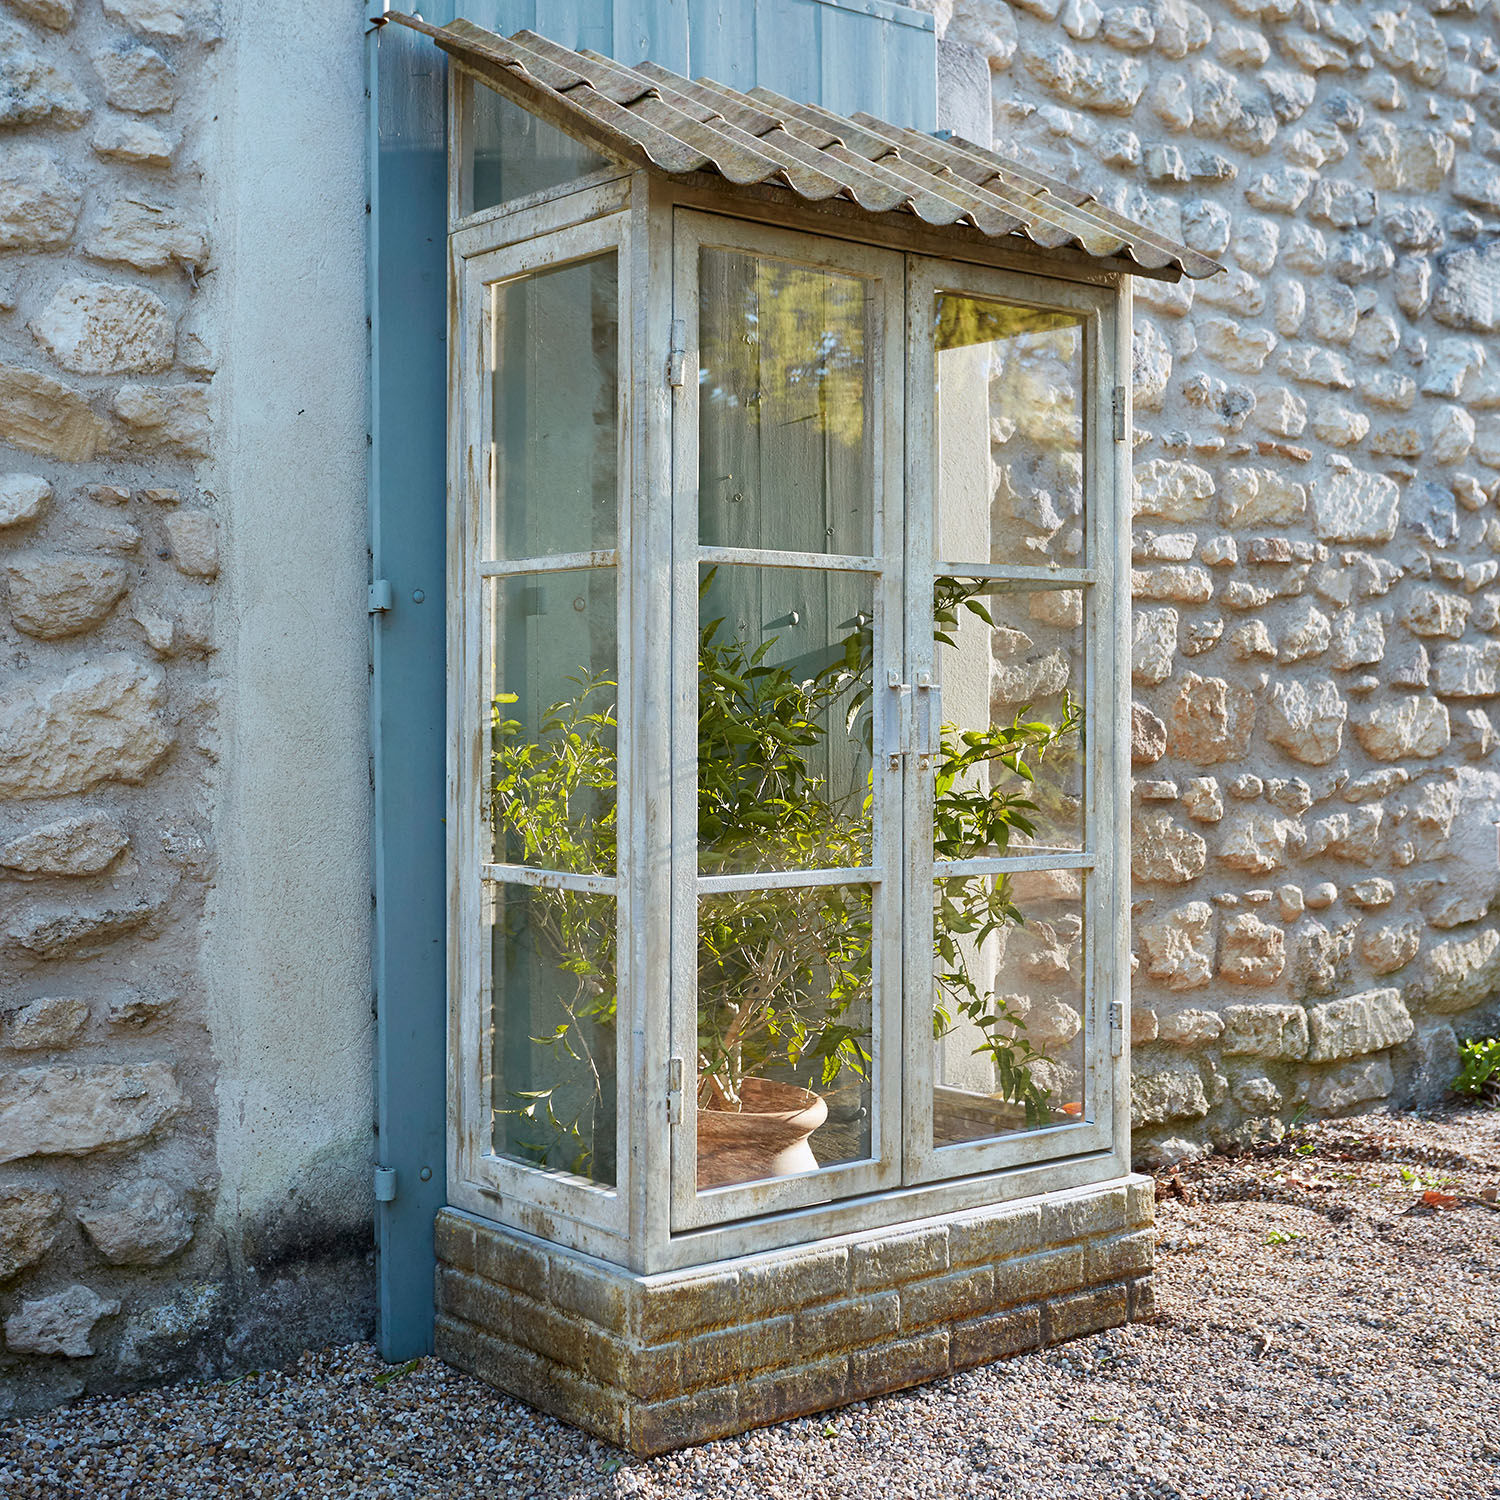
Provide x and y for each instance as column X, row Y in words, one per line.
column 1479, row 1075
column 783, row 974
column 553, row 803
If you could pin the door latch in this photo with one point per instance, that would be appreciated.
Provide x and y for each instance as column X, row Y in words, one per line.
column 1116, row 1029
column 674, row 1090
column 903, row 719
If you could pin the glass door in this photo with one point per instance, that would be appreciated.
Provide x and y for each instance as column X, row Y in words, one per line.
column 787, row 676
column 1007, row 886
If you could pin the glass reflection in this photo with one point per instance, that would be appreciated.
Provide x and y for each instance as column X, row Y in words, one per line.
column 785, row 980
column 514, row 153
column 1008, row 1004
column 784, row 730
column 554, row 1004
column 1010, row 432
column 555, row 420
column 1010, row 670
column 551, row 702
column 786, row 406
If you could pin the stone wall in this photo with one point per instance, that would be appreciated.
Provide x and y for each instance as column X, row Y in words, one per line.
column 1317, row 618
column 124, row 1251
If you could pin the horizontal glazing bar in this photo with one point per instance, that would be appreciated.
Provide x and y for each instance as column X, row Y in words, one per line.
column 548, row 880
column 559, row 564
column 784, row 880
column 826, row 562
column 496, row 1164
column 1058, row 859
column 1007, row 573
column 1046, row 1132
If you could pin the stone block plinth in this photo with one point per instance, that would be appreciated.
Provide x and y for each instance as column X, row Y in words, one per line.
column 659, row 1362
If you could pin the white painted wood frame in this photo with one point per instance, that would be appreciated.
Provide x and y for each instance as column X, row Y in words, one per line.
column 539, row 1201
column 1106, row 748
column 882, row 272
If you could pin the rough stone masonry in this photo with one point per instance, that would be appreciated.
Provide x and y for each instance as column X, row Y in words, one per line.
column 111, row 1267
column 1317, row 529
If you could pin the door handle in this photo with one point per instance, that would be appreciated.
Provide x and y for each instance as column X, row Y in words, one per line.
column 932, row 720
column 905, row 728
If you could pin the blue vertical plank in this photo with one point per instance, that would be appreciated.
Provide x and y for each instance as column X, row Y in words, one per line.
column 408, row 483
column 851, row 62
column 721, row 41
column 786, row 48
column 910, row 72
column 652, row 30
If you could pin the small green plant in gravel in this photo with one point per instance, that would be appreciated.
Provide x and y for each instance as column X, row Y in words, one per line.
column 1479, row 1073
column 1281, row 1237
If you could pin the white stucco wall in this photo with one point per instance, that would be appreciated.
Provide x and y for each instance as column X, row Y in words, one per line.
column 289, row 924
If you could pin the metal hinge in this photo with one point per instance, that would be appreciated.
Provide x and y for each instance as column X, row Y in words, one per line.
column 1119, row 408
column 380, row 596
column 677, row 354
column 674, row 1090
column 385, row 1184
column 1116, row 1028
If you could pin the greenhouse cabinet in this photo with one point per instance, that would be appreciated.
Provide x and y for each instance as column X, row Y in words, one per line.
column 788, row 763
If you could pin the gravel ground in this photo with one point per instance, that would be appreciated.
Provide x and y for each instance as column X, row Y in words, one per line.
column 1322, row 1332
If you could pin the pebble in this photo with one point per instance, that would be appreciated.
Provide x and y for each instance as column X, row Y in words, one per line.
column 1322, row 1334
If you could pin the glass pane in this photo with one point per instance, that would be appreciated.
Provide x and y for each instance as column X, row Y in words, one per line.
column 554, row 1004
column 515, row 153
column 787, row 416
column 555, row 389
column 1010, row 670
column 784, row 727
column 551, row 705
column 784, row 1031
column 1010, row 429
column 1008, row 1004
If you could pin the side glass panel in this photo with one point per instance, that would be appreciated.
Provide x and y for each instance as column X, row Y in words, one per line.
column 1008, row 1003
column 787, row 406
column 551, row 707
column 548, row 719
column 554, row 1003
column 555, row 420
column 513, row 153
column 1010, row 422
column 1010, row 671
column 784, row 719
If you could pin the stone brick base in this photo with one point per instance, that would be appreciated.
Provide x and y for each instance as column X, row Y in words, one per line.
column 660, row 1362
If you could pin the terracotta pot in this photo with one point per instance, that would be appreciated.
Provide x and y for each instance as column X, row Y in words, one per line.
column 767, row 1137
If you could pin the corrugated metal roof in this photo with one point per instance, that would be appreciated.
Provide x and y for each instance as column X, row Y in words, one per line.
column 655, row 118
